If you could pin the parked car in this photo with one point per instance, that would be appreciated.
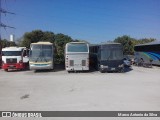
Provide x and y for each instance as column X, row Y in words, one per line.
column 128, row 60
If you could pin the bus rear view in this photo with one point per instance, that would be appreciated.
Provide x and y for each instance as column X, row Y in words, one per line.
column 77, row 56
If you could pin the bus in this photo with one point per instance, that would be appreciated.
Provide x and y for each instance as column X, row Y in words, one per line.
column 77, row 56
column 41, row 56
column 107, row 57
column 149, row 53
column 15, row 58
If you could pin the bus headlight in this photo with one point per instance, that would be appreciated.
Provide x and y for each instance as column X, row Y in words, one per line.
column 121, row 65
column 87, row 62
column 101, row 66
column 20, row 61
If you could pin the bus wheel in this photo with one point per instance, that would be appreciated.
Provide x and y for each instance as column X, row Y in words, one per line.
column 98, row 67
column 121, row 71
column 102, row 71
column 6, row 70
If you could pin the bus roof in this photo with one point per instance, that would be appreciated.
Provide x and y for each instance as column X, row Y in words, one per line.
column 13, row 48
column 157, row 42
column 77, row 43
column 44, row 43
column 105, row 44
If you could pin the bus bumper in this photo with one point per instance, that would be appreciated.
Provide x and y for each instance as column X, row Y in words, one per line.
column 107, row 69
column 77, row 69
column 40, row 67
column 12, row 66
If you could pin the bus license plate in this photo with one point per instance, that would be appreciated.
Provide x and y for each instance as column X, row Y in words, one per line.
column 11, row 66
column 112, row 68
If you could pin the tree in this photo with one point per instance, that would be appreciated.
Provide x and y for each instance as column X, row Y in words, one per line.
column 77, row 40
column 5, row 43
column 36, row 36
column 60, row 42
column 48, row 37
column 128, row 44
column 145, row 40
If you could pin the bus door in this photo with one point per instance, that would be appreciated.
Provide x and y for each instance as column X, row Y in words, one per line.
column 25, row 55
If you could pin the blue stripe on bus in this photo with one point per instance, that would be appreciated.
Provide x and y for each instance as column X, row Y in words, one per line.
column 151, row 56
column 40, row 64
column 156, row 55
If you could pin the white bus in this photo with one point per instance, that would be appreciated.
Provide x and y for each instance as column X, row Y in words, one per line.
column 15, row 58
column 77, row 56
column 41, row 56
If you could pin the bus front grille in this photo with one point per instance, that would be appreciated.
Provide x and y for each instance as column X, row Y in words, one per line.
column 71, row 63
column 83, row 62
column 11, row 60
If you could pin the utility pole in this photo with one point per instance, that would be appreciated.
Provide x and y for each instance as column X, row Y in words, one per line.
column 3, row 11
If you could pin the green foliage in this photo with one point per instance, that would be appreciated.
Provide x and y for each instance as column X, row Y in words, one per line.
column 48, row 37
column 81, row 41
column 145, row 40
column 129, row 43
column 35, row 36
column 5, row 43
column 59, row 41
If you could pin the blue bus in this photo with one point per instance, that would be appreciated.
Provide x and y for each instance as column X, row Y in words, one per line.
column 149, row 53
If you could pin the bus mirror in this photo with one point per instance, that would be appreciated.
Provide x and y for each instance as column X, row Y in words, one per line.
column 24, row 54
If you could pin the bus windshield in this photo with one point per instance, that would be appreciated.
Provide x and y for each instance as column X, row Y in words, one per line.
column 11, row 53
column 77, row 47
column 111, row 54
column 41, row 51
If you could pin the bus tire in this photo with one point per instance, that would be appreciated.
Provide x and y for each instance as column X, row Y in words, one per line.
column 102, row 71
column 6, row 70
column 122, row 70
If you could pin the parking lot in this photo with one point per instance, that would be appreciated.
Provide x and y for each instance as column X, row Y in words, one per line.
column 137, row 90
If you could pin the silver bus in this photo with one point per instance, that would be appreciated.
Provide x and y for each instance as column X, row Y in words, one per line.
column 41, row 56
column 77, row 56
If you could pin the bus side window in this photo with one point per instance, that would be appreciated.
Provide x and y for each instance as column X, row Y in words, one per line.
column 98, row 55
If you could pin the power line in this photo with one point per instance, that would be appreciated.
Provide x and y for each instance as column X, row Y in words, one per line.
column 3, row 11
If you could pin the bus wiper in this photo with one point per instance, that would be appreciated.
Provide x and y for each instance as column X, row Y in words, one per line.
column 36, row 59
column 45, row 59
column 108, row 57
